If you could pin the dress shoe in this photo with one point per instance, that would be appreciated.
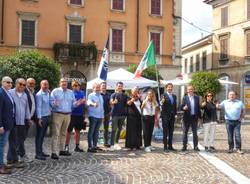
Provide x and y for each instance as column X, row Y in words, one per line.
column 45, row 155
column 38, row 157
column 54, row 156
column 64, row 153
column 91, row 150
column 107, row 145
column 77, row 149
column 206, row 149
column 3, row 170
column 184, row 148
column 171, row 149
column 98, row 149
column 196, row 149
column 212, row 149
column 166, row 150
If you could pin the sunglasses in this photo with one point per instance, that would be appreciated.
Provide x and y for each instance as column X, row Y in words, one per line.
column 22, row 84
column 8, row 82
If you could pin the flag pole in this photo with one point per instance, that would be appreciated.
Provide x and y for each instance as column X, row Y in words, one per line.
column 158, row 83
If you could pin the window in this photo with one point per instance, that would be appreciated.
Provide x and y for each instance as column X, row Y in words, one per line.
column 197, row 64
column 248, row 9
column 155, row 7
column 117, row 40
column 224, row 16
column 76, row 2
column 118, row 4
column 224, row 48
column 75, row 33
column 185, row 66
column 156, row 37
column 191, row 65
column 248, row 43
column 204, row 60
column 28, row 32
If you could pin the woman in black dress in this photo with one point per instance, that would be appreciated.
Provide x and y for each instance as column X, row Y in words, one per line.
column 134, row 124
column 209, row 121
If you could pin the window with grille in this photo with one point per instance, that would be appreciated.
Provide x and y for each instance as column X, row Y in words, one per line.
column 204, row 60
column 197, row 64
column 224, row 16
column 117, row 4
column 28, row 32
column 155, row 37
column 75, row 33
column 156, row 7
column 117, row 40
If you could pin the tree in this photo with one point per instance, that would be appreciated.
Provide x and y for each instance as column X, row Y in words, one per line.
column 30, row 63
column 205, row 82
column 149, row 73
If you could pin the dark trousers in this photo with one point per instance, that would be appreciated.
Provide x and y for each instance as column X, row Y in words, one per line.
column 233, row 129
column 147, row 127
column 94, row 125
column 40, row 133
column 117, row 123
column 193, row 122
column 16, row 143
column 106, row 128
column 168, row 130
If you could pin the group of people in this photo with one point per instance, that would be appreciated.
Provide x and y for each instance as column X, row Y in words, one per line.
column 21, row 106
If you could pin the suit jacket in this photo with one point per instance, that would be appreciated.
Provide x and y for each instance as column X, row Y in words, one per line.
column 30, row 102
column 187, row 113
column 7, row 117
column 169, row 109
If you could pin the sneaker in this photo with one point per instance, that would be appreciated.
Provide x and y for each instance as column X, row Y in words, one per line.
column 230, row 151
column 38, row 157
column 171, row 149
column 91, row 150
column 77, row 149
column 54, row 156
column 18, row 164
column 112, row 148
column 3, row 170
column 107, row 145
column 211, row 148
column 239, row 151
column 206, row 149
column 66, row 148
column 196, row 149
column 98, row 148
column 184, row 148
column 152, row 148
column 117, row 147
column 147, row 149
column 64, row 153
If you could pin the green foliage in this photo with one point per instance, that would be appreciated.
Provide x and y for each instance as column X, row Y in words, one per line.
column 205, row 82
column 30, row 64
column 149, row 73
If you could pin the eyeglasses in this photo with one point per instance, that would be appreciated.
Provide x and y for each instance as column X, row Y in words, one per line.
column 22, row 84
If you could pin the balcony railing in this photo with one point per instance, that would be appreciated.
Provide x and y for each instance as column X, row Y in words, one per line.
column 71, row 52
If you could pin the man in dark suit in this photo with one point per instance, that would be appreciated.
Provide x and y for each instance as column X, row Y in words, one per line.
column 168, row 113
column 7, row 119
column 191, row 107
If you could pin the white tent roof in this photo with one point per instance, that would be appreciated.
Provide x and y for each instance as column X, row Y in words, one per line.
column 183, row 82
column 124, row 76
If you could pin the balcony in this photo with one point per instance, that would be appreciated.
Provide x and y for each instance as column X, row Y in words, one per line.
column 84, row 53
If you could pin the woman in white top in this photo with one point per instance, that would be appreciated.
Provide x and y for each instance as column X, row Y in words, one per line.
column 149, row 112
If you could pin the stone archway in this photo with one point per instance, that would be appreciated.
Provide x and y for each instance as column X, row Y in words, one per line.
column 76, row 75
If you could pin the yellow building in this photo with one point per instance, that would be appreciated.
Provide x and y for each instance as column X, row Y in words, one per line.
column 53, row 26
column 231, row 44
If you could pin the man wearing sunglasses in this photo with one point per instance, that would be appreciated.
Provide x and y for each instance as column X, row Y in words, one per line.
column 7, row 113
column 18, row 133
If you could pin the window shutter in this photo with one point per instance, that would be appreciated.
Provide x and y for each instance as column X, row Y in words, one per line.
column 224, row 16
column 156, row 7
column 77, row 2
column 118, row 4
column 197, row 62
column 156, row 40
column 204, row 60
column 75, row 32
column 28, row 32
column 248, row 9
column 117, row 40
column 248, row 44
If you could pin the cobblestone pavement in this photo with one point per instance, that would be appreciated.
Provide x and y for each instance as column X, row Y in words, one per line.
column 125, row 166
column 239, row 162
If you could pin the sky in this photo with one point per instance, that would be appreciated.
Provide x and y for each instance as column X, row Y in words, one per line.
column 198, row 13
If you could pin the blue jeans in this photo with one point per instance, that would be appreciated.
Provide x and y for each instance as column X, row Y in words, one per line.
column 40, row 133
column 3, row 141
column 94, row 125
column 233, row 129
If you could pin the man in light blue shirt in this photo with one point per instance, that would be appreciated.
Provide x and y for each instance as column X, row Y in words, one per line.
column 43, row 111
column 234, row 113
column 18, row 133
column 96, row 115
column 62, row 102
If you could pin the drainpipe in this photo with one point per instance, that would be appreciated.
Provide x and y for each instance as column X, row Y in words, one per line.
column 2, row 22
column 137, row 25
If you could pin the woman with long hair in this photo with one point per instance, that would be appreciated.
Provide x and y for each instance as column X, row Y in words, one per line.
column 149, row 112
column 209, row 121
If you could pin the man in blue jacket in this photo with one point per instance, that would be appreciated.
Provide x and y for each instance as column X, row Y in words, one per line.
column 7, row 119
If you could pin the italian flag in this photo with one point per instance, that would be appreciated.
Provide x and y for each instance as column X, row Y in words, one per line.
column 147, row 60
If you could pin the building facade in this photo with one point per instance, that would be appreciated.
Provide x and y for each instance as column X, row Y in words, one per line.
column 54, row 26
column 231, row 44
